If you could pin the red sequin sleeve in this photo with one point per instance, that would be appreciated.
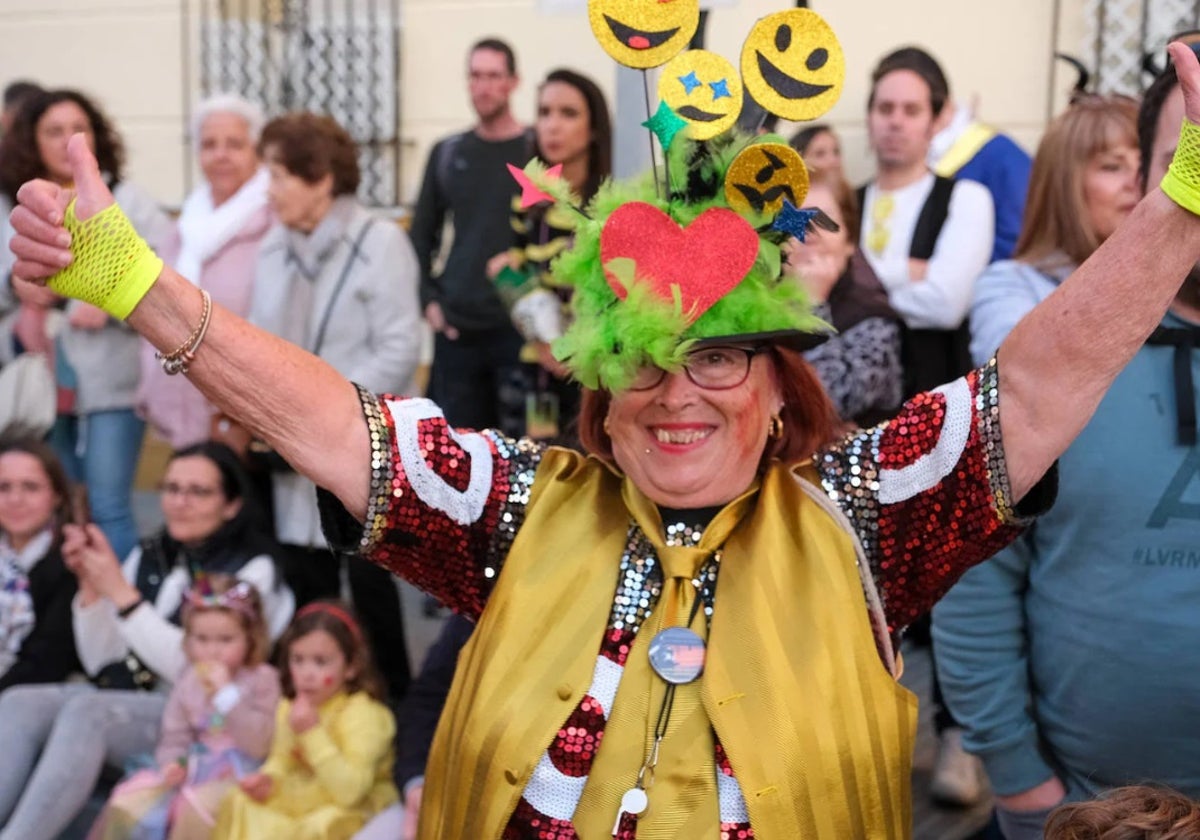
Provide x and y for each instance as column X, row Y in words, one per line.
column 444, row 504
column 928, row 492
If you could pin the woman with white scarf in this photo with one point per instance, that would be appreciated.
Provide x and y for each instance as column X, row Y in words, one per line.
column 216, row 241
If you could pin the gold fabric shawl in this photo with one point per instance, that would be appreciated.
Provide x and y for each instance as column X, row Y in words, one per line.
column 818, row 732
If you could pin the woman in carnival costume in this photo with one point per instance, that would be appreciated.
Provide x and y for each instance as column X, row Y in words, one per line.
column 716, row 589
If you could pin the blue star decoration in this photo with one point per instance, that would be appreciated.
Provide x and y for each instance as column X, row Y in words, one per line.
column 665, row 124
column 720, row 89
column 793, row 221
column 690, row 82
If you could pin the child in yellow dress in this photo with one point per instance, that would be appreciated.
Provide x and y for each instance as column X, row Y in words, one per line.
column 330, row 766
column 216, row 727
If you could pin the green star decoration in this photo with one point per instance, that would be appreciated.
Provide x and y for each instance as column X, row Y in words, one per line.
column 665, row 124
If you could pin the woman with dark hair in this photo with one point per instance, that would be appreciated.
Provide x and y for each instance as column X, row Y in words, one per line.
column 130, row 640
column 98, row 435
column 573, row 131
column 820, row 148
column 339, row 281
column 36, row 644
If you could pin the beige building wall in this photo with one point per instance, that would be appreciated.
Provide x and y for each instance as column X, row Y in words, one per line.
column 130, row 55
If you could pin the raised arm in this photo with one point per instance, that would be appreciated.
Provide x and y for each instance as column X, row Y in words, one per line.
column 1060, row 359
column 307, row 411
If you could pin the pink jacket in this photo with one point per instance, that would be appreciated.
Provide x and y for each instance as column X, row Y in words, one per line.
column 172, row 405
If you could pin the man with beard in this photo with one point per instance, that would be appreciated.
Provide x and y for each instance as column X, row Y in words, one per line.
column 467, row 184
column 1070, row 657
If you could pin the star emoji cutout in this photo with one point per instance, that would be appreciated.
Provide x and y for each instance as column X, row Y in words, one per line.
column 665, row 124
column 530, row 193
column 720, row 89
column 690, row 82
column 794, row 222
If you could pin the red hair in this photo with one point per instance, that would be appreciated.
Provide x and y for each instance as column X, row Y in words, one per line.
column 809, row 419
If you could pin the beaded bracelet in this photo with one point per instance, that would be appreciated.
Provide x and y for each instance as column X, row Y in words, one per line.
column 178, row 360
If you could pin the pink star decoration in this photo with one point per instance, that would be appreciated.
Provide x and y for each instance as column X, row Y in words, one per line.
column 530, row 193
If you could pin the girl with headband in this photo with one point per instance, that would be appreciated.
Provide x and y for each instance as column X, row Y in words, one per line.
column 217, row 725
column 330, row 768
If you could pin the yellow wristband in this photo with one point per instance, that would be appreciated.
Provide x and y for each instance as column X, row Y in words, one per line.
column 1182, row 181
column 113, row 267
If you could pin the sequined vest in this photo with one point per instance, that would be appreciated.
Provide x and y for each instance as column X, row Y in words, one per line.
column 818, row 732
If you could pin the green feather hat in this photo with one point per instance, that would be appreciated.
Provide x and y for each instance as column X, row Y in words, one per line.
column 657, row 276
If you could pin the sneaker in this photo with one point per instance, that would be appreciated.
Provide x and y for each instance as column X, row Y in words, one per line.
column 957, row 775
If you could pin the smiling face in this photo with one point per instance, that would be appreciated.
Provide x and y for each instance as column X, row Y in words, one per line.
column 226, row 154
column 643, row 33
column 193, row 500
column 793, row 65
column 53, row 130
column 564, row 126
column 687, row 447
column 900, row 122
column 1110, row 188
column 704, row 89
column 318, row 666
column 27, row 497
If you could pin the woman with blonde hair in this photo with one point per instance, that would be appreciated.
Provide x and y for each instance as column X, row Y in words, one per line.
column 1083, row 184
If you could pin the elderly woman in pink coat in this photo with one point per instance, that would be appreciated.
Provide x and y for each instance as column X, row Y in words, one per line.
column 215, row 242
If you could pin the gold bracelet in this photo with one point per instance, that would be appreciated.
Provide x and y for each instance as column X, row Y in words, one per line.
column 179, row 359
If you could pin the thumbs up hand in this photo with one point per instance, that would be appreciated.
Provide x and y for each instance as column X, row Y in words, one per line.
column 86, row 249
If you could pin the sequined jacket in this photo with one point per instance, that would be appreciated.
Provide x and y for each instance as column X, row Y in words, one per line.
column 927, row 494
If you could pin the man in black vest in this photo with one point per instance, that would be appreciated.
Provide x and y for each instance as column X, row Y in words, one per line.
column 467, row 184
column 926, row 237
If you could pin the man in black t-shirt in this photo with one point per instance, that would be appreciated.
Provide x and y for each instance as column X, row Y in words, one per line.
column 467, row 184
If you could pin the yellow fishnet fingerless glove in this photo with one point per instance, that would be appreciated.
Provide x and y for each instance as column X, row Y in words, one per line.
column 113, row 266
column 1182, row 181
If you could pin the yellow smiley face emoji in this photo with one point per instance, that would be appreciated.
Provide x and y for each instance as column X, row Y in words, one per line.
column 704, row 89
column 643, row 33
column 793, row 65
column 762, row 175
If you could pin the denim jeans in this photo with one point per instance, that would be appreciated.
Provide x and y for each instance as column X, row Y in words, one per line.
column 101, row 449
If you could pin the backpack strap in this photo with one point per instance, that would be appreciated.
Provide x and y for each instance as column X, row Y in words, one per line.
column 445, row 160
column 933, row 216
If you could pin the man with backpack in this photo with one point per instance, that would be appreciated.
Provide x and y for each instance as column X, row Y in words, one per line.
column 468, row 186
column 928, row 238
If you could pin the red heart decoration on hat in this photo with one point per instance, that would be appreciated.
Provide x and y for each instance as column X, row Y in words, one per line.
column 705, row 260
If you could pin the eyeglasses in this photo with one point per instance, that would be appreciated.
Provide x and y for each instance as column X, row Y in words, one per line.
column 188, row 491
column 711, row 368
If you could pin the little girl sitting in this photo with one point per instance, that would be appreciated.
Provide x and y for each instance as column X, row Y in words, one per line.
column 330, row 767
column 217, row 724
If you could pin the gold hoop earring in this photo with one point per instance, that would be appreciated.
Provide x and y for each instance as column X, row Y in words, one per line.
column 775, row 427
